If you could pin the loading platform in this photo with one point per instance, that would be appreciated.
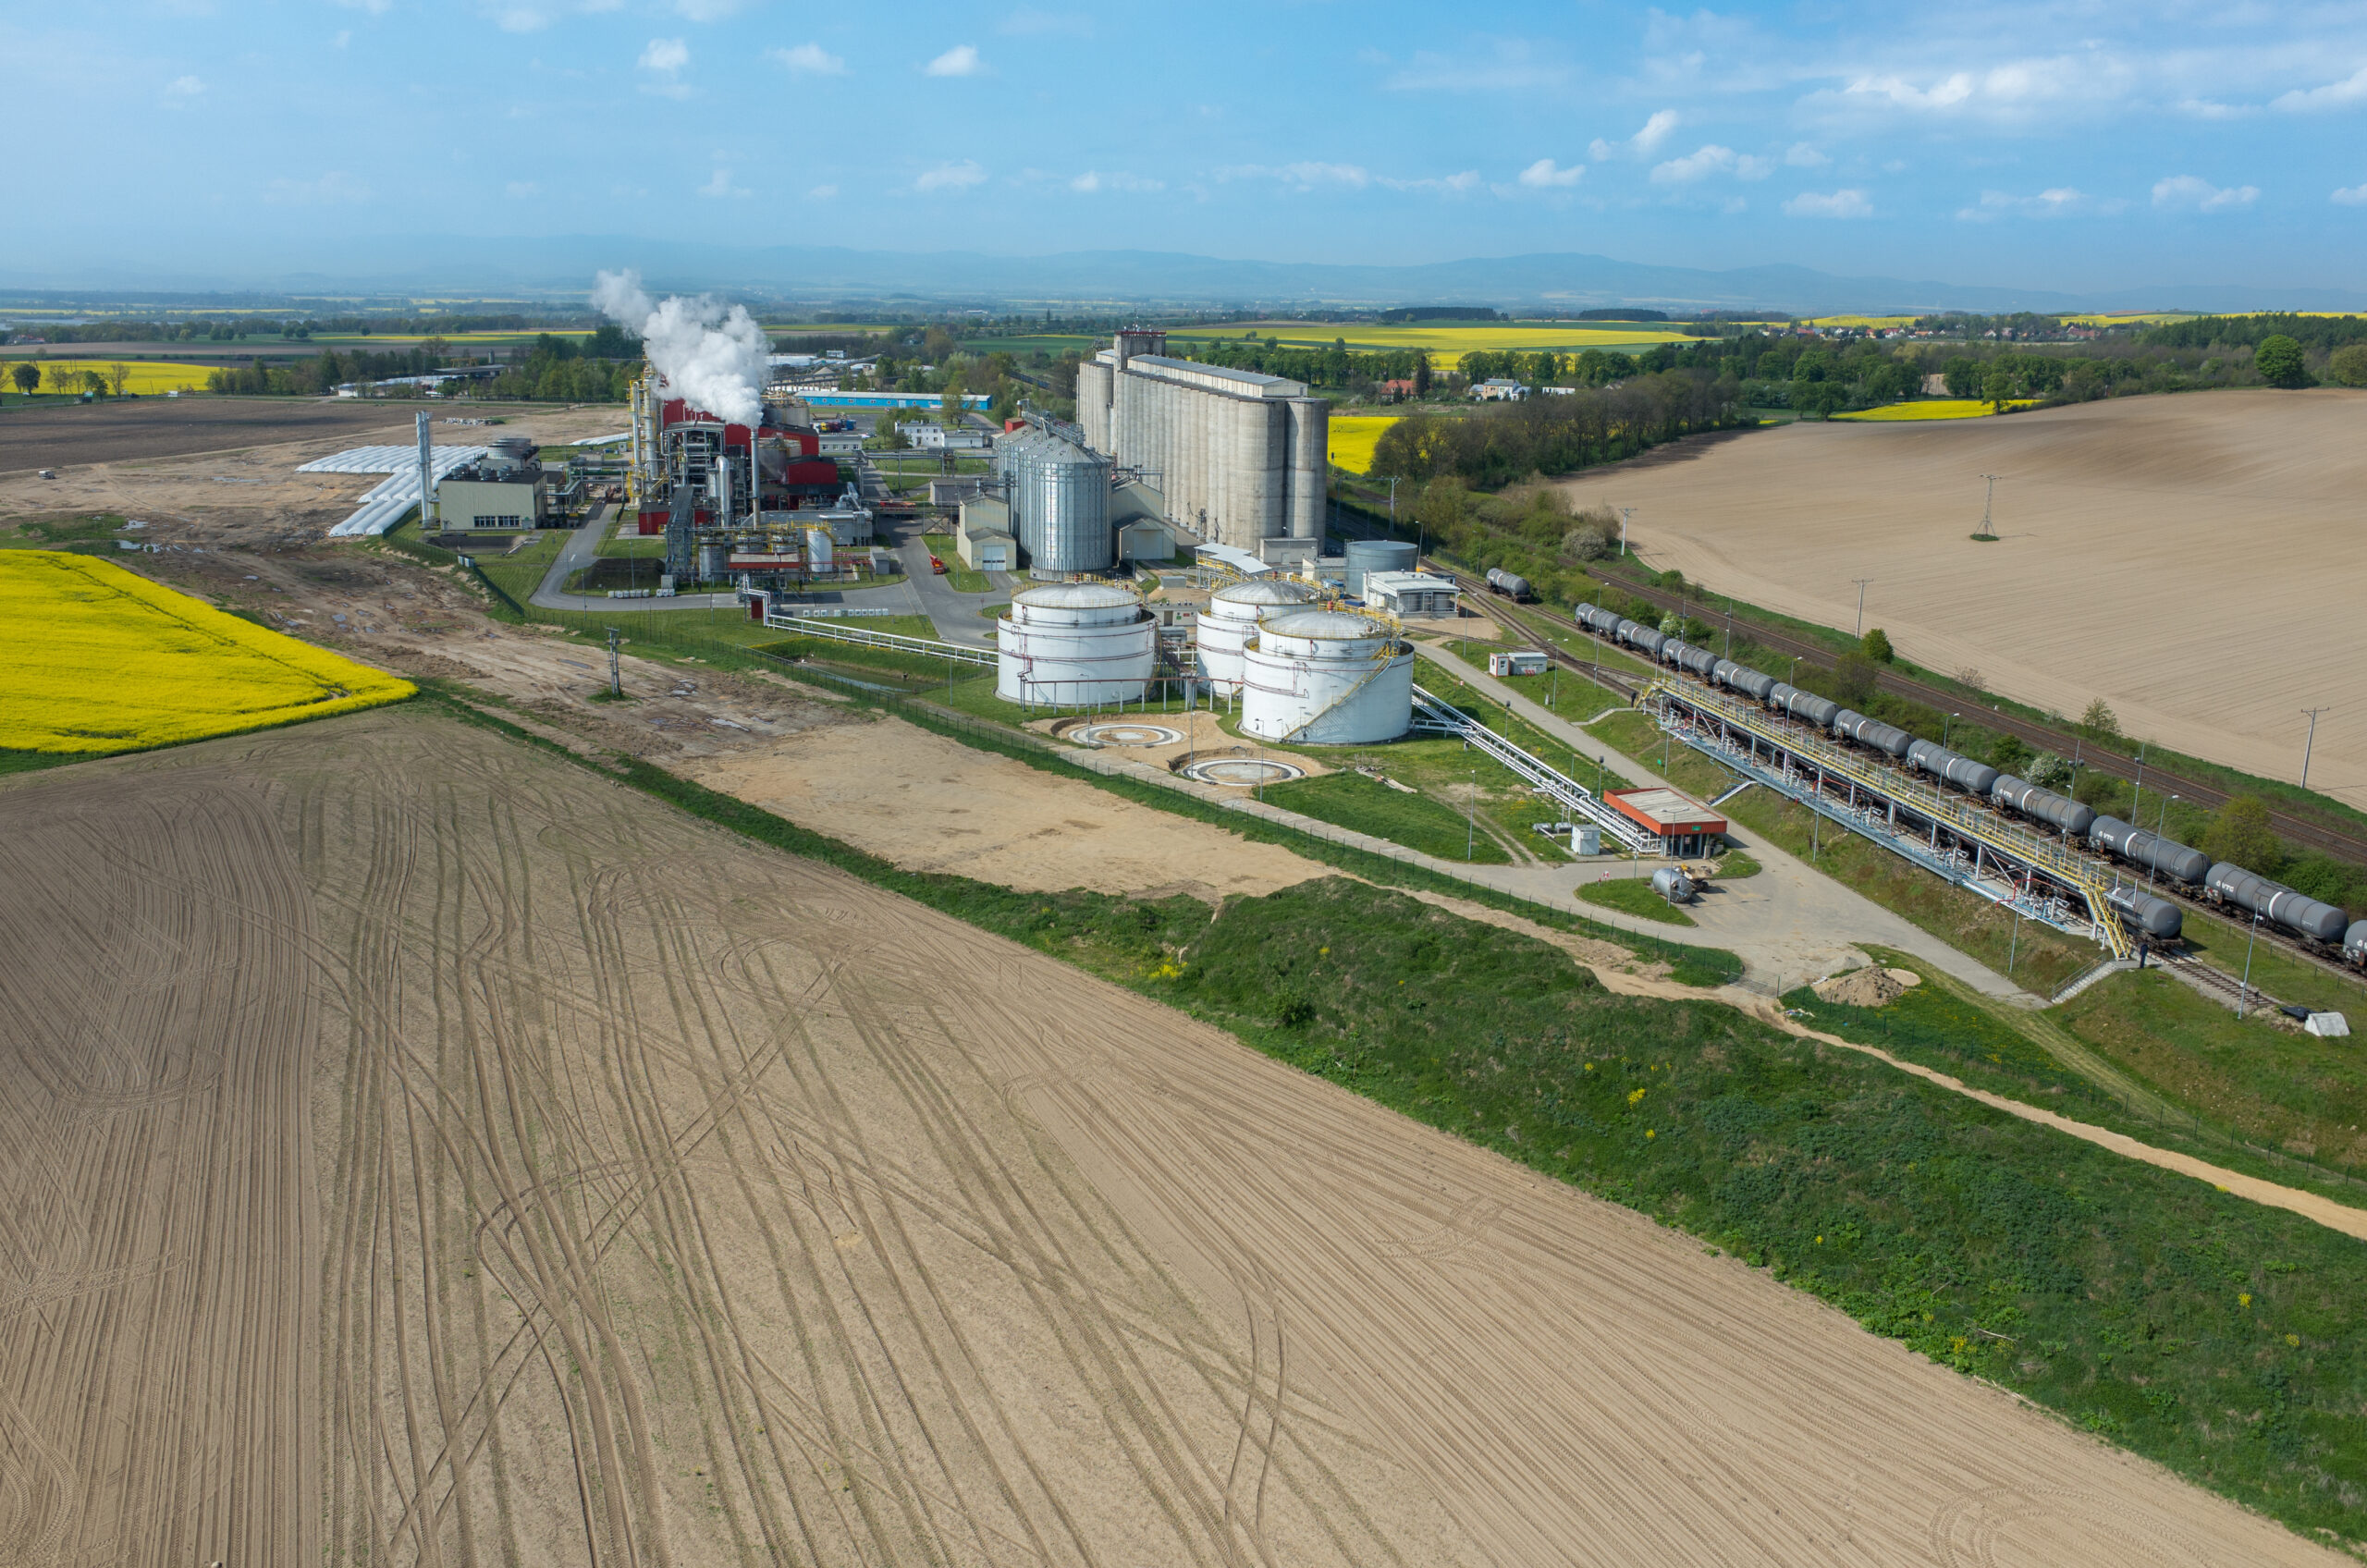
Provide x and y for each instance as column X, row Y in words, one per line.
column 1950, row 835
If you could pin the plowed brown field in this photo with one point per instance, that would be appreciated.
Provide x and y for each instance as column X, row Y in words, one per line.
column 418, row 1150
column 2196, row 561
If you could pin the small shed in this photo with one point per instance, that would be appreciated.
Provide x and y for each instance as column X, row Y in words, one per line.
column 1517, row 661
column 1412, row 596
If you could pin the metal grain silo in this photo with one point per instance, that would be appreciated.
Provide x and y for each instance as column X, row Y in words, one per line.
column 1231, row 619
column 1070, row 497
column 1362, row 555
column 1327, row 677
column 2153, row 853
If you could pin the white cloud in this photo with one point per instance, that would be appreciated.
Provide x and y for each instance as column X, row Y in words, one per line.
column 2208, row 109
column 523, row 19
column 1302, row 176
column 342, row 39
column 706, row 10
column 2351, row 196
column 667, row 54
column 822, row 192
column 1803, row 156
column 960, row 60
column 1835, row 204
column 1544, row 174
column 1944, row 94
column 375, row 7
column 181, row 92
column 2352, row 89
column 2060, row 201
column 1093, row 181
column 2188, row 192
column 721, row 186
column 1643, row 144
column 950, row 177
column 522, row 190
column 809, row 59
column 1452, row 185
column 334, row 185
column 1710, row 159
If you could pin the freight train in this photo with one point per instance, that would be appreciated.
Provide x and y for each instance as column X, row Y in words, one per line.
column 2321, row 927
column 1511, row 585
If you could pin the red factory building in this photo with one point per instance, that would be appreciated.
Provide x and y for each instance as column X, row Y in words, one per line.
column 1683, row 824
column 677, row 444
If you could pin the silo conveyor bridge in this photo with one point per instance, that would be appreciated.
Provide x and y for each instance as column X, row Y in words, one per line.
column 1947, row 835
column 1435, row 716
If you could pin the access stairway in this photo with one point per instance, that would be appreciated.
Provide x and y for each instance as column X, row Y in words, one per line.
column 1434, row 714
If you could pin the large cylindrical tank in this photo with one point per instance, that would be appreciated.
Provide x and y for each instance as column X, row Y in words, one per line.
column 2148, row 851
column 1672, row 884
column 1361, row 556
column 2275, row 903
column 2354, row 942
column 1232, row 619
column 1067, row 644
column 1973, row 778
column 1326, row 678
column 1701, row 661
column 1602, row 622
column 2043, row 805
column 715, row 562
column 1511, row 585
column 818, row 548
column 2141, row 911
column 1780, row 694
column 1848, row 722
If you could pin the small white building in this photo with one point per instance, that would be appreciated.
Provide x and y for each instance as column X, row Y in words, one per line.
column 1500, row 390
column 930, row 437
column 1412, row 596
column 1517, row 661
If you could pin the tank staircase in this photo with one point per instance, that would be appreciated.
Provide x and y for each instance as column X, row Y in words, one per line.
column 1949, row 836
column 1380, row 668
column 838, row 632
column 1436, row 716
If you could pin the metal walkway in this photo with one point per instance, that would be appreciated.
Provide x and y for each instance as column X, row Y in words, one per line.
column 1436, row 716
column 1948, row 834
column 838, row 632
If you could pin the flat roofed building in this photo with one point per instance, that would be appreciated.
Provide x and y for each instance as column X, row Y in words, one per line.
column 1413, row 595
column 483, row 497
column 1684, row 826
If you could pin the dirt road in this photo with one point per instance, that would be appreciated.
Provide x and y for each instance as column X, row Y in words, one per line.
column 677, row 1202
column 2137, row 535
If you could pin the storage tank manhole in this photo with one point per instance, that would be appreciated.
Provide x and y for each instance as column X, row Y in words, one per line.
column 1125, row 735
column 1243, row 772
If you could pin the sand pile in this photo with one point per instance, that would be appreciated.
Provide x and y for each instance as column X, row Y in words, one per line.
column 1865, row 988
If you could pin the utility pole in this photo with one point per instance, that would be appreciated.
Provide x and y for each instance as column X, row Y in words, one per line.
column 1730, row 628
column 1624, row 513
column 616, row 681
column 2246, row 995
column 1861, row 583
column 1987, row 498
column 1471, row 819
column 2311, row 744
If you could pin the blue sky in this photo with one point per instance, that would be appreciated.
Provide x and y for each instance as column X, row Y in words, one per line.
column 2069, row 146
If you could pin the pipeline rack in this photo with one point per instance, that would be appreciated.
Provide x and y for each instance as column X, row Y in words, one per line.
column 1947, row 835
column 1434, row 714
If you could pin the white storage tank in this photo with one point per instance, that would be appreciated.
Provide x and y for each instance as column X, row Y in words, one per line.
column 819, row 545
column 1327, row 677
column 1232, row 619
column 1069, row 644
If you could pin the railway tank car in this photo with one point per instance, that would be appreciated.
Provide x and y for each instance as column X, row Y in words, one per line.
column 2275, row 903
column 2148, row 851
column 2069, row 817
column 2354, row 943
column 2141, row 912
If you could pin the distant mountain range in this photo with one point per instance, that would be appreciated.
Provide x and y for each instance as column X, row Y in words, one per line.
column 822, row 274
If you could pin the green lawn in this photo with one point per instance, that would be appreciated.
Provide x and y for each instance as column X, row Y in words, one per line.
column 93, row 534
column 2041, row 957
column 1571, row 696
column 1634, row 895
column 1418, row 822
column 522, row 573
column 960, row 578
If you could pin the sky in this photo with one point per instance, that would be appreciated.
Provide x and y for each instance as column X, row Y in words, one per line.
column 2048, row 146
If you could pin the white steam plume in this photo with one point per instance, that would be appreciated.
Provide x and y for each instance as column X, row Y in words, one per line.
column 712, row 358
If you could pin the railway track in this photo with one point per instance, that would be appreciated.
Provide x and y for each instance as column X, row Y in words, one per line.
column 1494, row 608
column 2293, row 829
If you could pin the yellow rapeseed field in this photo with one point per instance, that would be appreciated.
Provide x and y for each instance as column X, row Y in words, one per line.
column 1449, row 344
column 1352, row 438
column 1929, row 407
column 102, row 660
column 147, row 377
